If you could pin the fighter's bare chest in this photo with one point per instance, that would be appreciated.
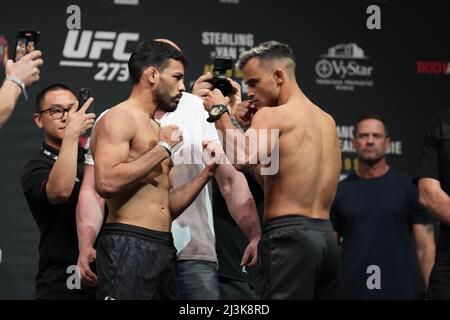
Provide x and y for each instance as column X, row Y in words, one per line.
column 145, row 139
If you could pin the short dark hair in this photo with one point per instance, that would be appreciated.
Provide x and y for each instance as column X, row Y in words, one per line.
column 53, row 87
column 267, row 51
column 371, row 115
column 152, row 53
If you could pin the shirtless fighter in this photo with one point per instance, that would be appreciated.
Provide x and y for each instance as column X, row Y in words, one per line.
column 298, row 250
column 136, row 258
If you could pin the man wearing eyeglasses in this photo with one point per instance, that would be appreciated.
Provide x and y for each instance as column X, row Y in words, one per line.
column 51, row 182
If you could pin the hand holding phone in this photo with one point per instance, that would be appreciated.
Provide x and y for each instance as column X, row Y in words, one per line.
column 83, row 95
column 27, row 41
column 26, row 70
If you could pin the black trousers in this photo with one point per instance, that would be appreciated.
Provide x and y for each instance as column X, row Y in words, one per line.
column 439, row 286
column 135, row 263
column 233, row 289
column 298, row 259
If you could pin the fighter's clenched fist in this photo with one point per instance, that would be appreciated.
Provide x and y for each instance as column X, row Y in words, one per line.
column 172, row 135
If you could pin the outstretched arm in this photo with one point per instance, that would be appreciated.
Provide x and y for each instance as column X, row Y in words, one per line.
column 183, row 196
column 425, row 249
column 89, row 216
column 255, row 146
column 240, row 203
column 25, row 70
column 434, row 199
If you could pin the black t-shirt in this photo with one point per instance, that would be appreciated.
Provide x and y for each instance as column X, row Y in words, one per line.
column 435, row 163
column 230, row 240
column 375, row 217
column 58, row 243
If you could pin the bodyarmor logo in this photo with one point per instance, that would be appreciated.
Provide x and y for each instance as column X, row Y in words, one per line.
column 433, row 67
column 340, row 68
column 93, row 45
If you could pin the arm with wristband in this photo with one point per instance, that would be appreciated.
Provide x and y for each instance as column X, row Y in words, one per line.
column 167, row 147
column 19, row 75
column 110, row 148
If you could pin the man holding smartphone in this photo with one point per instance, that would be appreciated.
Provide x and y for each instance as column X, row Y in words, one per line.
column 51, row 183
column 19, row 75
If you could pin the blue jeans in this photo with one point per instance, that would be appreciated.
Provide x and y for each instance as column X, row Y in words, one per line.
column 197, row 280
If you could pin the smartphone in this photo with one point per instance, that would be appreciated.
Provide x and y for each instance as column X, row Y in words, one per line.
column 26, row 42
column 83, row 96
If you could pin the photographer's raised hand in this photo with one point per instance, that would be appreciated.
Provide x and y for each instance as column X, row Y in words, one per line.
column 202, row 85
column 78, row 121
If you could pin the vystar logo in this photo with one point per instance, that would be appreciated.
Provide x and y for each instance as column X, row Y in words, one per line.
column 344, row 67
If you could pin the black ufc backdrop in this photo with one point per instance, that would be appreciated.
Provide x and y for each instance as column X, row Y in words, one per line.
column 400, row 71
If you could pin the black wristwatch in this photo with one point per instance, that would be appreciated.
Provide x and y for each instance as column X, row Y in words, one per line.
column 216, row 112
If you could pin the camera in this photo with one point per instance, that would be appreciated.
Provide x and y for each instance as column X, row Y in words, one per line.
column 219, row 80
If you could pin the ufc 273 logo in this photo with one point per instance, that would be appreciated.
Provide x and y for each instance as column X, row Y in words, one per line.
column 88, row 48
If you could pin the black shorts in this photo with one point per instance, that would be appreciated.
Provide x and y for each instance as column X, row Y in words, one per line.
column 135, row 263
column 298, row 259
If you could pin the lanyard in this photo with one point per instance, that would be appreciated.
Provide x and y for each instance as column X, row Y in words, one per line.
column 54, row 157
column 49, row 153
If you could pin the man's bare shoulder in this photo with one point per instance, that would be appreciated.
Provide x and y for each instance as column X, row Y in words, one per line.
column 264, row 118
column 327, row 119
column 118, row 120
column 117, row 116
column 328, row 126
